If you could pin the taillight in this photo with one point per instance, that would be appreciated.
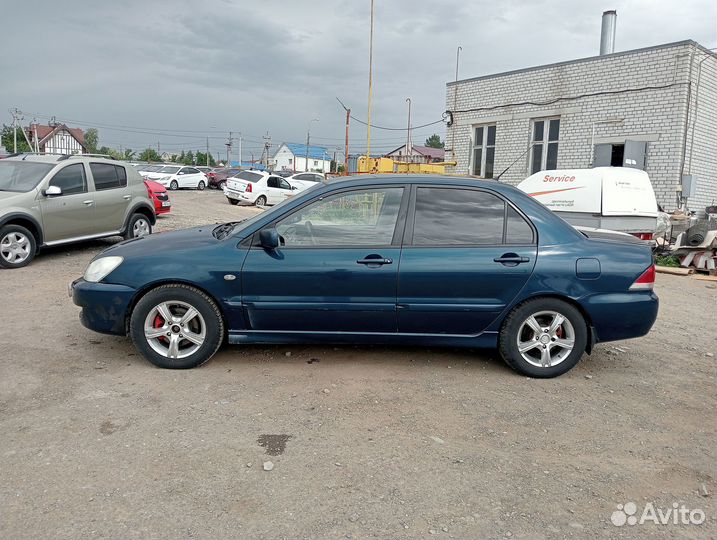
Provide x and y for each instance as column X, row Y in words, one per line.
column 149, row 191
column 248, row 188
column 643, row 235
column 646, row 281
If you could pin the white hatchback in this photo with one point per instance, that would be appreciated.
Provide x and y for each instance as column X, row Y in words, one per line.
column 177, row 176
column 305, row 180
column 257, row 187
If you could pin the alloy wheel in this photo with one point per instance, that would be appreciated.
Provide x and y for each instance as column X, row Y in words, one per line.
column 546, row 338
column 175, row 329
column 15, row 247
column 140, row 228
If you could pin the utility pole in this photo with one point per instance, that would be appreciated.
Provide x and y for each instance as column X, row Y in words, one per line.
column 408, row 132
column 455, row 104
column 159, row 151
column 267, row 146
column 240, row 150
column 229, row 149
column 308, row 142
column 207, row 151
column 370, row 85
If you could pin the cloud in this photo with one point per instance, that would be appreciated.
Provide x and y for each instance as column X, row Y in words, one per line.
column 253, row 67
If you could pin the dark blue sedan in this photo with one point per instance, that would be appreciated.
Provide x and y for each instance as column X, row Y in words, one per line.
column 421, row 260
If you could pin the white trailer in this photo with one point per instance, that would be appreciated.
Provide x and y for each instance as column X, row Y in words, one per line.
column 613, row 198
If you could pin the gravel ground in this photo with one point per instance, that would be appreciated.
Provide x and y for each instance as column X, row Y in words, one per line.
column 365, row 441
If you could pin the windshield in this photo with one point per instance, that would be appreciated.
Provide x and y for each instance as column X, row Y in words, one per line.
column 248, row 176
column 21, row 176
column 170, row 170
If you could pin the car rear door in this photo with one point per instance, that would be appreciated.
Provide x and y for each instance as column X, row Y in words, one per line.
column 112, row 196
column 467, row 254
column 336, row 268
column 71, row 214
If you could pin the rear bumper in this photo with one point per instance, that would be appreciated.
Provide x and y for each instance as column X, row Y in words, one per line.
column 617, row 316
column 104, row 305
column 242, row 197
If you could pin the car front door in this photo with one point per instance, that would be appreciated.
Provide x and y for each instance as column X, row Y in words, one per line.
column 467, row 254
column 273, row 192
column 336, row 267
column 70, row 214
column 112, row 196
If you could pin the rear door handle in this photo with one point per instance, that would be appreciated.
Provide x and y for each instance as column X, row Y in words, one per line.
column 511, row 259
column 127, row 197
column 88, row 203
column 375, row 261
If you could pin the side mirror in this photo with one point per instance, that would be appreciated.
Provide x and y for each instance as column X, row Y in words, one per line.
column 269, row 238
column 294, row 188
column 52, row 191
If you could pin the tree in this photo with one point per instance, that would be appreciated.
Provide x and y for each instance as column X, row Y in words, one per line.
column 434, row 141
column 92, row 139
column 202, row 159
column 149, row 154
column 8, row 138
column 128, row 154
column 189, row 158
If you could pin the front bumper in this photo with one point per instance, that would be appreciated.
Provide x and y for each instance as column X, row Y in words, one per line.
column 104, row 305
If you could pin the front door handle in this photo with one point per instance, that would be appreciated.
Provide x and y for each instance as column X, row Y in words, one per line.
column 126, row 197
column 87, row 203
column 511, row 259
column 377, row 261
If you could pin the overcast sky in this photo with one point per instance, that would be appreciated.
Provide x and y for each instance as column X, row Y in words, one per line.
column 207, row 67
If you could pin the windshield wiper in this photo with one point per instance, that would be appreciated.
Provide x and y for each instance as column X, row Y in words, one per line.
column 223, row 230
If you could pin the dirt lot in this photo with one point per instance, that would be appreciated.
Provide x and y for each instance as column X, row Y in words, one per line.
column 369, row 442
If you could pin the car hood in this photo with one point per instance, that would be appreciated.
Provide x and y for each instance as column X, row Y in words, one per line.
column 164, row 242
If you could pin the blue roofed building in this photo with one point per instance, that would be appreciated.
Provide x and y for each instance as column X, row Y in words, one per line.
column 292, row 157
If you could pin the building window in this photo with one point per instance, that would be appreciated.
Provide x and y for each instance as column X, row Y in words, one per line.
column 316, row 163
column 290, row 161
column 483, row 151
column 544, row 141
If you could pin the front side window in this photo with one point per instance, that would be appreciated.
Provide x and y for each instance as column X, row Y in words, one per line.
column 108, row 176
column 483, row 151
column 358, row 218
column 544, row 140
column 71, row 179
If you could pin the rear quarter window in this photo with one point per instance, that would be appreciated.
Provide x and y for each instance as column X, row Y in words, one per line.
column 108, row 176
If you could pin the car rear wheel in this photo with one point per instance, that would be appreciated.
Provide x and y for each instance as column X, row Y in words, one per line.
column 201, row 185
column 17, row 246
column 542, row 338
column 260, row 201
column 232, row 201
column 176, row 327
column 174, row 185
column 138, row 226
column 221, row 185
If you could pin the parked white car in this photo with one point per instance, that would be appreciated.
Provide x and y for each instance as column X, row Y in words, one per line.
column 305, row 180
column 259, row 188
column 177, row 176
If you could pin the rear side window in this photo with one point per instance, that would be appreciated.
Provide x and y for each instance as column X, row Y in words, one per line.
column 108, row 176
column 466, row 217
column 71, row 179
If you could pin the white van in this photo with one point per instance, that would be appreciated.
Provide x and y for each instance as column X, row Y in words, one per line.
column 613, row 198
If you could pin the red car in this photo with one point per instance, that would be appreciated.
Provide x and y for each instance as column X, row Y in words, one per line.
column 158, row 194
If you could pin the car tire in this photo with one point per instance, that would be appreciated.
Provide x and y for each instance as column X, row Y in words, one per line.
column 543, row 337
column 17, row 246
column 201, row 185
column 260, row 201
column 221, row 185
column 174, row 185
column 233, row 202
column 166, row 343
column 138, row 226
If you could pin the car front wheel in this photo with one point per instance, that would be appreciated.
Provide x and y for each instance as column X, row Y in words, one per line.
column 176, row 327
column 174, row 185
column 138, row 225
column 17, row 246
column 543, row 338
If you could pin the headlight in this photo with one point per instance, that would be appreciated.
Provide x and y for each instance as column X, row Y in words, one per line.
column 99, row 269
column 165, row 179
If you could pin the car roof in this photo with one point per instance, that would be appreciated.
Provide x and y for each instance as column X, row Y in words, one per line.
column 54, row 159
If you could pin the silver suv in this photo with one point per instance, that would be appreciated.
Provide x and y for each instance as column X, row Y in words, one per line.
column 52, row 199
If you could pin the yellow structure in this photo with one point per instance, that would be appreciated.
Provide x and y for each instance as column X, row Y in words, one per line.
column 383, row 165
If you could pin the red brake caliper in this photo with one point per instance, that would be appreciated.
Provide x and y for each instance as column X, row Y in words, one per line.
column 158, row 323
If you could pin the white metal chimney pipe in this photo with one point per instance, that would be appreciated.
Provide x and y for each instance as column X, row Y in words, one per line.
column 607, row 33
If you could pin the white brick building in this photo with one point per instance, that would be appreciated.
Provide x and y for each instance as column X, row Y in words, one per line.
column 652, row 108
